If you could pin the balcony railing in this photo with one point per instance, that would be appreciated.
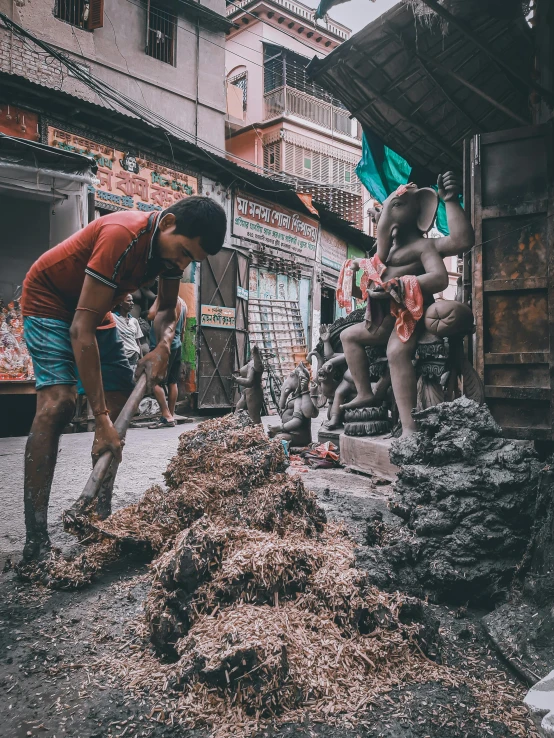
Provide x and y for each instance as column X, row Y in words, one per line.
column 288, row 100
column 301, row 10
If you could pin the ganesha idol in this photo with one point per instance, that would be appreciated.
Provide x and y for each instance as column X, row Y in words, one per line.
column 404, row 330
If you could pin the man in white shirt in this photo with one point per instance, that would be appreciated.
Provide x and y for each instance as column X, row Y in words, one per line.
column 129, row 329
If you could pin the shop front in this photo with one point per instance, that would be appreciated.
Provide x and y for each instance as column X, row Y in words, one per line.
column 43, row 199
column 283, row 246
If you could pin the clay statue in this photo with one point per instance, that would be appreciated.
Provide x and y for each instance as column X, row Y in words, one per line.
column 400, row 281
column 249, row 376
column 297, row 409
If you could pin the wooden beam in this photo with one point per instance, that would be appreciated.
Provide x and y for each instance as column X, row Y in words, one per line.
column 364, row 85
column 477, row 90
column 485, row 48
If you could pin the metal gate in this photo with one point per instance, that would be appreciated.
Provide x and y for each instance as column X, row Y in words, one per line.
column 513, row 277
column 222, row 326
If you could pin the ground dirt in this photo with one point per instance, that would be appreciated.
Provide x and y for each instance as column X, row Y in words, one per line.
column 52, row 641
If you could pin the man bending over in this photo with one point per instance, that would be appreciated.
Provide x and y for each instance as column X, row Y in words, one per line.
column 71, row 335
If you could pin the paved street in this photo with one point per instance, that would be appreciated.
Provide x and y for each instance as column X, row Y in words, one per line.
column 144, row 461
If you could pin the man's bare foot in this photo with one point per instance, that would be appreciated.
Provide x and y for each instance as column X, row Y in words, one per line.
column 360, row 401
column 332, row 424
column 408, row 432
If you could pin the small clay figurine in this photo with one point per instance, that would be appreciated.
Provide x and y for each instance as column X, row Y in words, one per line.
column 400, row 281
column 249, row 376
column 297, row 409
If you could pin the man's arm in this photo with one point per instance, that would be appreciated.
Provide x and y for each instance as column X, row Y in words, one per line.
column 155, row 363
column 462, row 236
column 95, row 301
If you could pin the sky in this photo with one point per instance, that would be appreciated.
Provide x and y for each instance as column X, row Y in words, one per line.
column 357, row 13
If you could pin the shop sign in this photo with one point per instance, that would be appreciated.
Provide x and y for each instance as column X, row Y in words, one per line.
column 333, row 250
column 273, row 225
column 242, row 293
column 125, row 181
column 213, row 316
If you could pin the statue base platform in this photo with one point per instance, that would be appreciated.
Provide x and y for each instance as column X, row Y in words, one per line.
column 334, row 436
column 368, row 455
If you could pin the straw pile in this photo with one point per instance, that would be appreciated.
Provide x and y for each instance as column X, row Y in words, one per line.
column 256, row 603
column 224, row 457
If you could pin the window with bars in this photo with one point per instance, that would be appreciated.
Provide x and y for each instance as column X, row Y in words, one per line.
column 241, row 81
column 88, row 14
column 161, row 35
column 272, row 156
column 320, row 167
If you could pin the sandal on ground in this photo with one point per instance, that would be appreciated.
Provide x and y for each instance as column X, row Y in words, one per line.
column 163, row 423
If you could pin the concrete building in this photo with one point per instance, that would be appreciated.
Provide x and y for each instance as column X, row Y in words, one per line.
column 168, row 57
column 280, row 123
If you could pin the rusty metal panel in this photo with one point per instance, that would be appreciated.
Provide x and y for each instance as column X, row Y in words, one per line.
column 222, row 349
column 513, row 276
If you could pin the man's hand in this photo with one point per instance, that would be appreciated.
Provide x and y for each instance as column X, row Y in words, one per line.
column 154, row 365
column 449, row 187
column 106, row 438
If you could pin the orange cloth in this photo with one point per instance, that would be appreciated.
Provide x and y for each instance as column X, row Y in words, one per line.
column 406, row 315
column 344, row 286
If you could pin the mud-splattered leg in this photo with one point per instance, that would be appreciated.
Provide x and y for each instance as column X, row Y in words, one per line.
column 55, row 408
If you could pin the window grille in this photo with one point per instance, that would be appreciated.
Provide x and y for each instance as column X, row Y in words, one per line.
column 87, row 14
column 272, row 156
column 162, row 35
column 241, row 81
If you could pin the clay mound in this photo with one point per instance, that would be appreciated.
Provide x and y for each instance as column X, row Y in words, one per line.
column 467, row 495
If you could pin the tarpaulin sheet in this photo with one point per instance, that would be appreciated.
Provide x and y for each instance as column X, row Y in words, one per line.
column 381, row 170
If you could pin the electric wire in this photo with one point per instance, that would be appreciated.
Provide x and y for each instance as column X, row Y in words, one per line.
column 111, row 95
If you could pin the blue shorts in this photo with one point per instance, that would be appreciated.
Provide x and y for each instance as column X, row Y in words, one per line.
column 50, row 348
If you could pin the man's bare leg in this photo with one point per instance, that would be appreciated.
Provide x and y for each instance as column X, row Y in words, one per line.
column 172, row 392
column 55, row 408
column 159, row 394
column 354, row 340
column 103, row 508
column 403, row 378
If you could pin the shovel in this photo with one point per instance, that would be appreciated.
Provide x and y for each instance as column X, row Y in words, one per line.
column 102, row 466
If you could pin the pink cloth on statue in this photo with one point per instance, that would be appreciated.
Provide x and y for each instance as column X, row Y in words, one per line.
column 406, row 315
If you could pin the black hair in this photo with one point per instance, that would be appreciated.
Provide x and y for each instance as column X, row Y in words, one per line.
column 200, row 216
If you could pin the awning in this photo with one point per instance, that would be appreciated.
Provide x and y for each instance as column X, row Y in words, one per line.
column 423, row 83
column 38, row 171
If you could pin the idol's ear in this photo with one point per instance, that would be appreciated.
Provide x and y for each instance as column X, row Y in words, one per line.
column 428, row 206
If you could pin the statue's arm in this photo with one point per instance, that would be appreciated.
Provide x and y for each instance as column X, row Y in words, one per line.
column 335, row 360
column 462, row 236
column 435, row 278
column 247, row 381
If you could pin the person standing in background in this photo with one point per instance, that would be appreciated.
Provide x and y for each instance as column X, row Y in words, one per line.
column 167, row 407
column 129, row 329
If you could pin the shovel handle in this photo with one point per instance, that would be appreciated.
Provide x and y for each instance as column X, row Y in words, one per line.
column 121, row 425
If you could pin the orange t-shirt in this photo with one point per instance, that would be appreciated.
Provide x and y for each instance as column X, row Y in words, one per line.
column 117, row 249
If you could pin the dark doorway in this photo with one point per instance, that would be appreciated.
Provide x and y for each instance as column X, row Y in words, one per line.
column 327, row 305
